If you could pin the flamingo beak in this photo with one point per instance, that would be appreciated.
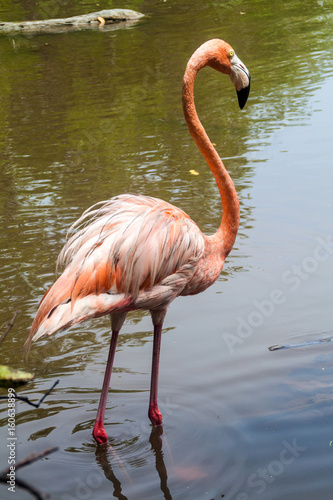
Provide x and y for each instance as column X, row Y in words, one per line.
column 240, row 77
column 243, row 94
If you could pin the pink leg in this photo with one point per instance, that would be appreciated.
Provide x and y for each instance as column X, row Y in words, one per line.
column 154, row 413
column 99, row 431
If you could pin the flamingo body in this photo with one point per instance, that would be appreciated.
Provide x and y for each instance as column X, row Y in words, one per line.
column 134, row 252
column 137, row 252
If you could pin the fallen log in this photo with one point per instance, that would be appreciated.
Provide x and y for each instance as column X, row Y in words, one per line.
column 76, row 23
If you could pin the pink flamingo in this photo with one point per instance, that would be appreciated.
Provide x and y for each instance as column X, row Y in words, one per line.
column 138, row 252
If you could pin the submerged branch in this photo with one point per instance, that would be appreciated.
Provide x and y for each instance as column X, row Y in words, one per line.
column 10, row 325
column 30, row 459
column 33, row 457
column 27, row 400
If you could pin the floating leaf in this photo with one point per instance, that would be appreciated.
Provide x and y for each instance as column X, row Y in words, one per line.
column 13, row 378
column 194, row 172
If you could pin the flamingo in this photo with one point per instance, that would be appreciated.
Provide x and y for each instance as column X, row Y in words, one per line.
column 138, row 252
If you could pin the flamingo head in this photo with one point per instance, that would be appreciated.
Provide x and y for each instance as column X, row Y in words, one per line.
column 222, row 57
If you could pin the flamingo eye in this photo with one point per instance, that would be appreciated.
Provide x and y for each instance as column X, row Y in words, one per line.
column 231, row 54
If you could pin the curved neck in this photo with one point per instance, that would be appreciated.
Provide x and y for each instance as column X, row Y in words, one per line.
column 227, row 231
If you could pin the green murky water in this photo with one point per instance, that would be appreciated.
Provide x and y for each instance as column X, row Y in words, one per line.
column 85, row 116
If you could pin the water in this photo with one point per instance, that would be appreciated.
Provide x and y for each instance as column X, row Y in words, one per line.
column 89, row 115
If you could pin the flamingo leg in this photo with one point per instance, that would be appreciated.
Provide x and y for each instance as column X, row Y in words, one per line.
column 153, row 412
column 99, row 432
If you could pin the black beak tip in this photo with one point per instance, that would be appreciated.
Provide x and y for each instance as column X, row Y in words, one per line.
column 242, row 95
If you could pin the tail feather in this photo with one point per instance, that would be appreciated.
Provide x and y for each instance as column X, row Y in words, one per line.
column 65, row 314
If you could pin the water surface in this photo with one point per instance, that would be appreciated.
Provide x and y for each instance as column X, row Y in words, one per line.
column 85, row 116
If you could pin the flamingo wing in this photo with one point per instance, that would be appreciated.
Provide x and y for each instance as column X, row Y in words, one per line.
column 132, row 252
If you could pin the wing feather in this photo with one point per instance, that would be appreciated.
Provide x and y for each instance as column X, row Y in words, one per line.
column 130, row 240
